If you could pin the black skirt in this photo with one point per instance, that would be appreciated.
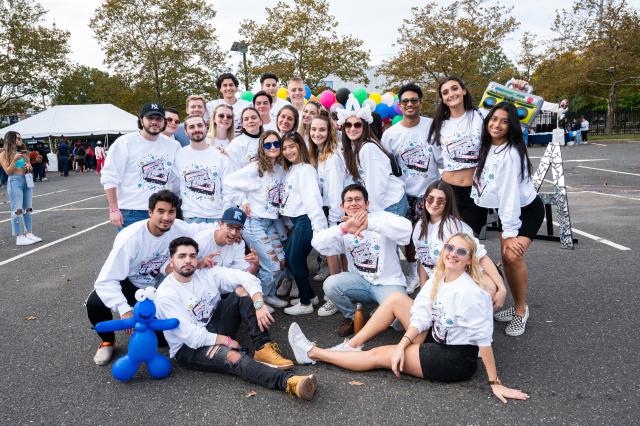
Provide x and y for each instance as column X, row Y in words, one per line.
column 447, row 363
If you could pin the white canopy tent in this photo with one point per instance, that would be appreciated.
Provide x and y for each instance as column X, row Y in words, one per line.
column 74, row 121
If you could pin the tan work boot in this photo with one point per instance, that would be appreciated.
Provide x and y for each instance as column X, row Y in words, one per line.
column 270, row 355
column 303, row 387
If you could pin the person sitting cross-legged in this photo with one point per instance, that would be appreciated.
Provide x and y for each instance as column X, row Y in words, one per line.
column 210, row 309
column 370, row 242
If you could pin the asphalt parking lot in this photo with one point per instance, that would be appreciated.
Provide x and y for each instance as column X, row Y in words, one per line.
column 578, row 359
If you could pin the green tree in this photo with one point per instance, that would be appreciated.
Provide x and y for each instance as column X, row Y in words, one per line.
column 33, row 57
column 605, row 50
column 439, row 41
column 529, row 57
column 299, row 39
column 169, row 49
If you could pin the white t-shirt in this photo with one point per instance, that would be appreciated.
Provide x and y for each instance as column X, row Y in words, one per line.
column 194, row 303
column 270, row 126
column 460, row 141
column 230, row 255
column 261, row 192
column 301, row 195
column 200, row 173
column 139, row 255
column 374, row 256
column 238, row 107
column 220, row 143
column 414, row 154
column 138, row 168
column 461, row 314
column 428, row 249
column 584, row 125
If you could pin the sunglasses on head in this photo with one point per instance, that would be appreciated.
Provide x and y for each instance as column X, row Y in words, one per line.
column 356, row 125
column 268, row 145
column 433, row 201
column 458, row 251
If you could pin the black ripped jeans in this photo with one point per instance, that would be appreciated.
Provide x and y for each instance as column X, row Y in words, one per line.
column 231, row 311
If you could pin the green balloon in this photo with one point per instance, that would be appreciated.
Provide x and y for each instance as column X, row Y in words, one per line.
column 360, row 94
column 247, row 96
column 396, row 119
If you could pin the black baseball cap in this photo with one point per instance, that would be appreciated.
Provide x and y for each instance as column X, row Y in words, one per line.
column 152, row 108
column 234, row 216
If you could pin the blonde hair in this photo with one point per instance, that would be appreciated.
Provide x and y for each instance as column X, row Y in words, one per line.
column 473, row 269
column 196, row 98
column 213, row 127
column 303, row 129
column 318, row 155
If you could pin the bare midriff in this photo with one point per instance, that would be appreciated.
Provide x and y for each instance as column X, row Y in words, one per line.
column 462, row 177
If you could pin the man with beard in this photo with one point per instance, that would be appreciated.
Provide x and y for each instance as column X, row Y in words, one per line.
column 210, row 313
column 200, row 169
column 138, row 165
column 196, row 105
column 137, row 260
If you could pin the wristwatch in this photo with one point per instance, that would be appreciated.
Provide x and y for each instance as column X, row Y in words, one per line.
column 258, row 304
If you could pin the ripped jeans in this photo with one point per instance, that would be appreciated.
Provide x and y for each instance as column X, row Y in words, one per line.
column 232, row 311
column 20, row 201
column 261, row 234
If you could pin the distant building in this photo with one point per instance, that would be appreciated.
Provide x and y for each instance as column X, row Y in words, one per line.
column 376, row 83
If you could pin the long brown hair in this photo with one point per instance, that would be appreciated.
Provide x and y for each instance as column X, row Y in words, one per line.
column 303, row 129
column 330, row 145
column 450, row 209
column 351, row 152
column 10, row 146
column 443, row 113
column 264, row 163
column 296, row 118
column 296, row 138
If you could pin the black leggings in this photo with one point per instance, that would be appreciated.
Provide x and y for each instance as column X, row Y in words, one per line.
column 471, row 214
column 98, row 312
column 226, row 319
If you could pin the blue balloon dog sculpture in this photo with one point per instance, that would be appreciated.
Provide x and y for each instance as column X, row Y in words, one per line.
column 143, row 344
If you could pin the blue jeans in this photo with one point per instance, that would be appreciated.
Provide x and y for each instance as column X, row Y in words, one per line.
column 296, row 251
column 257, row 233
column 63, row 167
column 348, row 288
column 19, row 199
column 400, row 208
column 201, row 219
column 132, row 216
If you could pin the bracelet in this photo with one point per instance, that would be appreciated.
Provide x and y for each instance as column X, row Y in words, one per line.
column 494, row 382
column 114, row 210
column 408, row 338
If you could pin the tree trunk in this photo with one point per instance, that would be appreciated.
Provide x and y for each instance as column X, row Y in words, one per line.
column 611, row 109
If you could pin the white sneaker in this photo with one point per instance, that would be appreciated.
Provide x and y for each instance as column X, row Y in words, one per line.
column 275, row 302
column 294, row 290
column 412, row 277
column 314, row 301
column 327, row 309
column 269, row 309
column 411, row 287
column 103, row 354
column 322, row 274
column 45, row 179
column 33, row 238
column 300, row 344
column 299, row 309
column 21, row 240
column 285, row 287
column 345, row 347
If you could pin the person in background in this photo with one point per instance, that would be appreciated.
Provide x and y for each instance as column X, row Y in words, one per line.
column 269, row 83
column 63, row 158
column 173, row 122
column 310, row 110
column 584, row 129
column 196, row 105
column 262, row 101
column 37, row 163
column 90, row 157
column 227, row 84
column 43, row 150
column 221, row 131
column 295, row 87
column 101, row 155
column 79, row 152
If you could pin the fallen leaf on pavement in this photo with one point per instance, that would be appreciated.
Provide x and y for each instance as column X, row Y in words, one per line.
column 356, row 383
column 249, row 394
column 31, row 318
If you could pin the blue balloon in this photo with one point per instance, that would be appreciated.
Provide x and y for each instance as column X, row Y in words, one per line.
column 383, row 110
column 143, row 344
column 307, row 92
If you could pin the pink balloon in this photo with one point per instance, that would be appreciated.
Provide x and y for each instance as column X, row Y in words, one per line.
column 327, row 98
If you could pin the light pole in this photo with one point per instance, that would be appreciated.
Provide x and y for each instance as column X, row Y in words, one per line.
column 242, row 47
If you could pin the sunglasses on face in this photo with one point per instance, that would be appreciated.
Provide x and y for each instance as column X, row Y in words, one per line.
column 173, row 120
column 269, row 145
column 408, row 101
column 356, row 125
column 229, row 116
column 433, row 201
column 458, row 251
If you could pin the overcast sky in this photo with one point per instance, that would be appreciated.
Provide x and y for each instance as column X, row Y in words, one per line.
column 377, row 26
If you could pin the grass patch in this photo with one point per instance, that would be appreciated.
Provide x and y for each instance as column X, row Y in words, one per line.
column 624, row 136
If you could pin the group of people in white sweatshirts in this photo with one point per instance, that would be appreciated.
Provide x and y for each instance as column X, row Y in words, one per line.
column 260, row 185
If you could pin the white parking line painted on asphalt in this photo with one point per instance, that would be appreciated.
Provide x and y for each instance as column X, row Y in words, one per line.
column 599, row 144
column 604, row 193
column 61, row 205
column 586, row 160
column 52, row 243
column 41, row 195
column 595, row 238
column 68, row 210
column 610, row 171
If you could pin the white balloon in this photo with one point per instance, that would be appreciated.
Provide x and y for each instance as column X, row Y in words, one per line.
column 371, row 103
column 140, row 296
column 334, row 107
column 388, row 99
column 150, row 293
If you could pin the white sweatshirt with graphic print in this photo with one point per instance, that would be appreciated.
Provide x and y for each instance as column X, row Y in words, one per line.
column 242, row 150
column 460, row 141
column 261, row 192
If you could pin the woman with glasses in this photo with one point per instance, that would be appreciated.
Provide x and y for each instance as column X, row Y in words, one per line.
column 439, row 220
column 257, row 187
column 15, row 162
column 221, row 128
column 503, row 181
column 367, row 162
column 244, row 147
column 447, row 326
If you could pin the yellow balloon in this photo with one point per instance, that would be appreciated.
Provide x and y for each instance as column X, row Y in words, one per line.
column 282, row 93
column 376, row 97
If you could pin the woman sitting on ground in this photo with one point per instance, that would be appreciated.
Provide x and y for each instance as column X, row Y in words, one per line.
column 450, row 322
